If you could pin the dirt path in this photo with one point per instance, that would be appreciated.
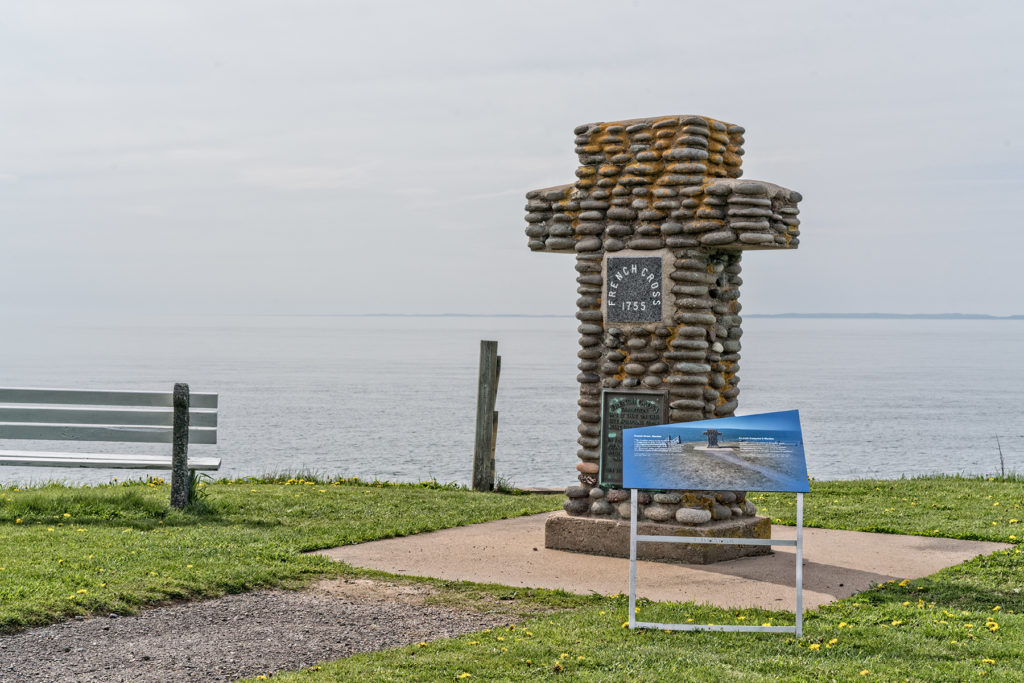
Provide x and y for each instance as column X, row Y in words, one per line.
column 235, row 636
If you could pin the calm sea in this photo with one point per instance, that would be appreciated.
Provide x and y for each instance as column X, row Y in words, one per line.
column 395, row 398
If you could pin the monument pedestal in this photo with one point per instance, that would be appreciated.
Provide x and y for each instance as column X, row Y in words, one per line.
column 610, row 537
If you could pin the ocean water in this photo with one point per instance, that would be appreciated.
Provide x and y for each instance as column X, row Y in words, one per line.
column 395, row 398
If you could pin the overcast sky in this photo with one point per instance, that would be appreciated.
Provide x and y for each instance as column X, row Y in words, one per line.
column 331, row 157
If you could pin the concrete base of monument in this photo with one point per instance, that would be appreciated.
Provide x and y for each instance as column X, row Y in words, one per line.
column 609, row 537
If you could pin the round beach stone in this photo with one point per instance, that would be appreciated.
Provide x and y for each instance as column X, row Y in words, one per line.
column 737, row 511
column 749, row 509
column 726, row 408
column 720, row 512
column 577, row 491
column 667, row 498
column 588, row 468
column 617, row 495
column 576, row 506
column 643, row 498
column 596, row 493
column 659, row 513
column 601, row 507
column 726, row 497
column 716, row 237
column 624, row 510
column 692, row 368
column 692, row 516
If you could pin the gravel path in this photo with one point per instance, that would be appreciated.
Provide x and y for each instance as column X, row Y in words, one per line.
column 234, row 636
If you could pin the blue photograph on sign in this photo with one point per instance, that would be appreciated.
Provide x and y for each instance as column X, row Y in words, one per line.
column 748, row 453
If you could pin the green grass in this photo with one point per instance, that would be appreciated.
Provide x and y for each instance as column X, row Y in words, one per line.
column 69, row 551
column 245, row 535
column 962, row 623
column 975, row 508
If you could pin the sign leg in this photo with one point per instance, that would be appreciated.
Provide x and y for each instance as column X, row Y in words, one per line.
column 632, row 558
column 799, row 565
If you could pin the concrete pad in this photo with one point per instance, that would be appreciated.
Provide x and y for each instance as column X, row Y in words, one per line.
column 837, row 564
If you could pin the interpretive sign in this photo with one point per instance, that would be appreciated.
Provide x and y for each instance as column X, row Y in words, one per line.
column 621, row 410
column 753, row 453
column 634, row 289
column 749, row 453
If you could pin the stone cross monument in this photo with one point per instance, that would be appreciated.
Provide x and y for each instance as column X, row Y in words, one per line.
column 658, row 220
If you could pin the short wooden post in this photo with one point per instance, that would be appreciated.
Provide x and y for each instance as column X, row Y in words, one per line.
column 179, row 448
column 494, row 430
column 487, row 389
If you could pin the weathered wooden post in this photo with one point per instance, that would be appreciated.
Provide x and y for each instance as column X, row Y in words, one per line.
column 486, row 417
column 179, row 448
column 658, row 220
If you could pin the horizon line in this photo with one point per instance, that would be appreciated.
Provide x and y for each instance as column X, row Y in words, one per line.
column 909, row 316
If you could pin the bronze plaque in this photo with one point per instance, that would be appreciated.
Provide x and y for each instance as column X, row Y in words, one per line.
column 625, row 410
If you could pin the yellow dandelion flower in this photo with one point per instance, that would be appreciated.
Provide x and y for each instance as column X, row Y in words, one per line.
column 18, row 520
column 82, row 591
column 188, row 566
column 422, row 644
column 833, row 641
column 557, row 666
column 814, row 646
column 564, row 655
column 896, row 622
column 988, row 661
column 767, row 623
column 996, row 608
column 904, row 582
column 67, row 514
column 580, row 658
column 465, row 674
column 864, row 672
column 625, row 624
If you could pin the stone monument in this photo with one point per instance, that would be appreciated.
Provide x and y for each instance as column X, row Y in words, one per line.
column 658, row 220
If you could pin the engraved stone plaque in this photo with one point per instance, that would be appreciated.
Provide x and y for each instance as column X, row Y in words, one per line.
column 633, row 290
column 623, row 410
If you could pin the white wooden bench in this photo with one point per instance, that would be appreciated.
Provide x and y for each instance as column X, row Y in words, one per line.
column 176, row 417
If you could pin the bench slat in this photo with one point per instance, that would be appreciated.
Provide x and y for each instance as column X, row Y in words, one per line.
column 104, row 460
column 71, row 432
column 103, row 416
column 157, row 399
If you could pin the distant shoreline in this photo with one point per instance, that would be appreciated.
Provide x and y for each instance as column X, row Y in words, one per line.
column 836, row 316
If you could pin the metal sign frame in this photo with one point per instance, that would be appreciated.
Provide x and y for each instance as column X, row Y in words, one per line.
column 799, row 543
